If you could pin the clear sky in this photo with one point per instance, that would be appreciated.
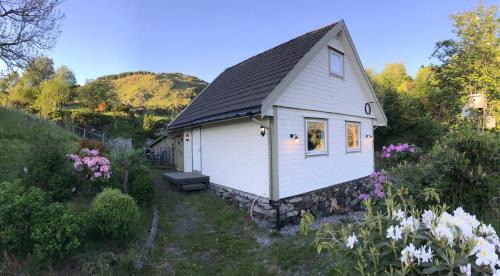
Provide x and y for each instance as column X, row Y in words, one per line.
column 202, row 38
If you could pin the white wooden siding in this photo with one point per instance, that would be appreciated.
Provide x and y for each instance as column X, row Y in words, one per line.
column 315, row 89
column 235, row 155
column 299, row 173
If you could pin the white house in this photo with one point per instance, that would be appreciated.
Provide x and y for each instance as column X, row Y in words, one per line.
column 294, row 119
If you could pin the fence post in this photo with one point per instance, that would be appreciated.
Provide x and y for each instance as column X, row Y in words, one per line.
column 83, row 133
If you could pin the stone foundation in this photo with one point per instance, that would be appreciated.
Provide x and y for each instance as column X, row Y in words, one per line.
column 317, row 202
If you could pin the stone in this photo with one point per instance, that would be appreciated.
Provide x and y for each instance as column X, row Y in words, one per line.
column 296, row 199
column 271, row 213
column 258, row 209
column 285, row 208
column 292, row 213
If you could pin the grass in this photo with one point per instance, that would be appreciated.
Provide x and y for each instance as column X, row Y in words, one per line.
column 18, row 132
column 201, row 234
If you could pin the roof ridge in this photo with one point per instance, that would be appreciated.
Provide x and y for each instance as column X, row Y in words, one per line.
column 286, row 42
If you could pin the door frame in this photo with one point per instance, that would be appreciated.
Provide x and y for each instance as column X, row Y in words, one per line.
column 193, row 149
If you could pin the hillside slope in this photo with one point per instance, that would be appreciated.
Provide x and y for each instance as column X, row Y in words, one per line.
column 171, row 91
column 18, row 132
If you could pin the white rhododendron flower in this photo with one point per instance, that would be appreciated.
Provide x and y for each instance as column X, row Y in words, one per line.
column 424, row 254
column 463, row 220
column 466, row 270
column 408, row 254
column 442, row 231
column 488, row 232
column 351, row 240
column 399, row 215
column 410, row 224
column 427, row 218
column 485, row 252
column 395, row 233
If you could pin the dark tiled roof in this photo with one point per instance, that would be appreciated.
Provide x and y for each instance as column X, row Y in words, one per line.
column 240, row 89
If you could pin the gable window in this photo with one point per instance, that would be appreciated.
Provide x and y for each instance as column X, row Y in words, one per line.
column 336, row 63
column 353, row 134
column 316, row 130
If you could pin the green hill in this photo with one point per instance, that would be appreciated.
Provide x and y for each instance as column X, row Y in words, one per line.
column 170, row 91
column 18, row 132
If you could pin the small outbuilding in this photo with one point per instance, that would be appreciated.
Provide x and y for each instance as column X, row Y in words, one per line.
column 291, row 127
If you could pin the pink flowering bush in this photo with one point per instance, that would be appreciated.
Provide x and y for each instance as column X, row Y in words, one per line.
column 393, row 155
column 403, row 240
column 378, row 179
column 90, row 165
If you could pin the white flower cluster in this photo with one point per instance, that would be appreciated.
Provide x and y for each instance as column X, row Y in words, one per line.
column 410, row 253
column 461, row 227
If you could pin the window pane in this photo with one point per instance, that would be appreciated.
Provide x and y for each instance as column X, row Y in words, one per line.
column 352, row 136
column 335, row 63
column 316, row 132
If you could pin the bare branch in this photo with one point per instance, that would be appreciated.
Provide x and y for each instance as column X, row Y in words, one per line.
column 27, row 29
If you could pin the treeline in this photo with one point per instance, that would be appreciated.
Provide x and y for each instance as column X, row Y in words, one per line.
column 421, row 109
column 124, row 74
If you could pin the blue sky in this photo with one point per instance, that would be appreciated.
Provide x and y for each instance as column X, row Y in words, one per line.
column 202, row 38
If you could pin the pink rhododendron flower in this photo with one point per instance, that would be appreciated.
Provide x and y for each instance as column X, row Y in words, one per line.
column 364, row 196
column 90, row 165
column 389, row 151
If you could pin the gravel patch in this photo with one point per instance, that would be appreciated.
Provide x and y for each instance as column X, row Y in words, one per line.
column 333, row 219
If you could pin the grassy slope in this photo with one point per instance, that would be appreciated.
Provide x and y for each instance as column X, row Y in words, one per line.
column 18, row 131
column 166, row 91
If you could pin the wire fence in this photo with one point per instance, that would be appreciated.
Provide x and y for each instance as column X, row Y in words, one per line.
column 118, row 143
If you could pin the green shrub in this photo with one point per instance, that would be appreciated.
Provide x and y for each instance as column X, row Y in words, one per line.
column 426, row 132
column 60, row 115
column 466, row 166
column 48, row 168
column 30, row 226
column 141, row 185
column 20, row 207
column 113, row 214
column 463, row 167
column 57, row 233
column 85, row 118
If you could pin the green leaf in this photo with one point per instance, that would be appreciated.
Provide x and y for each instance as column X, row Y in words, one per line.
column 433, row 269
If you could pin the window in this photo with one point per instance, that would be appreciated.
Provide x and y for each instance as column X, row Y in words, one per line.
column 336, row 63
column 316, row 137
column 352, row 136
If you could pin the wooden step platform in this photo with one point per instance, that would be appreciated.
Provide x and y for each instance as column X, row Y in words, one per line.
column 187, row 181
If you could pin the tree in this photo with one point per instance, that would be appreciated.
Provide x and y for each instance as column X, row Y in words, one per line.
column 56, row 91
column 27, row 89
column 471, row 63
column 6, row 84
column 27, row 28
column 96, row 92
column 394, row 77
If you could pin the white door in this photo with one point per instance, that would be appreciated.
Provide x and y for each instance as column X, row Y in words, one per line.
column 197, row 149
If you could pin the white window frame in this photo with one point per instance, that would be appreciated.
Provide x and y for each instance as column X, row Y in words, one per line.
column 338, row 53
column 358, row 149
column 306, row 137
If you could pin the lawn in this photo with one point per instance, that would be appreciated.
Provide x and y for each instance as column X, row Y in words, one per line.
column 201, row 234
